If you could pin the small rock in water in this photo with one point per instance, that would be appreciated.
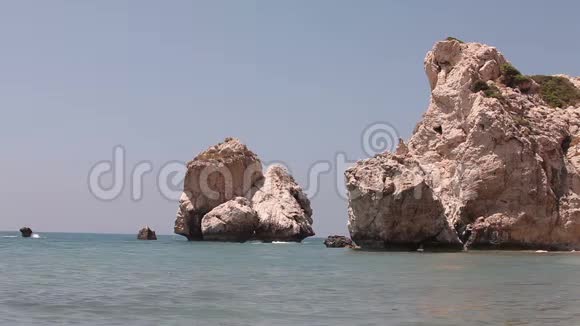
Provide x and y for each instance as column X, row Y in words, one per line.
column 26, row 232
column 338, row 241
column 146, row 234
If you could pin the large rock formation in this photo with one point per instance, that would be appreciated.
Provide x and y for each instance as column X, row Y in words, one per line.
column 226, row 197
column 221, row 173
column 493, row 164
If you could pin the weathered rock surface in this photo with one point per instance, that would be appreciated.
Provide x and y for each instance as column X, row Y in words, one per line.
column 146, row 234
column 392, row 207
column 338, row 241
column 219, row 174
column 282, row 207
column 480, row 171
column 234, row 221
column 26, row 232
column 273, row 207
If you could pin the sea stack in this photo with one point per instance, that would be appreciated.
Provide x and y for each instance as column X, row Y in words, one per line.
column 146, row 234
column 494, row 163
column 26, row 232
column 227, row 197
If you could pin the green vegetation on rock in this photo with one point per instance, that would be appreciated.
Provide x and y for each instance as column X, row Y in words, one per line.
column 450, row 38
column 520, row 79
column 493, row 92
column 512, row 77
column 488, row 91
column 479, row 85
column 557, row 91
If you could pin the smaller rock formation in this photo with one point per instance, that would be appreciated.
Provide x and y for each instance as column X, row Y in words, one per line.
column 226, row 197
column 233, row 221
column 26, row 232
column 282, row 207
column 146, row 234
column 338, row 241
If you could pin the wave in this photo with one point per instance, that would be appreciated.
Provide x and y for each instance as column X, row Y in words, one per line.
column 35, row 236
column 9, row 236
column 273, row 242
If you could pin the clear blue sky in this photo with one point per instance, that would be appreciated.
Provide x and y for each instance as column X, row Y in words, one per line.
column 295, row 80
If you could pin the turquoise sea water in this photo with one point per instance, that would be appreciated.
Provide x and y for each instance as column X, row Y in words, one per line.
column 89, row 279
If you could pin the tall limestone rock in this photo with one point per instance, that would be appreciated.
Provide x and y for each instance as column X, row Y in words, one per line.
column 494, row 163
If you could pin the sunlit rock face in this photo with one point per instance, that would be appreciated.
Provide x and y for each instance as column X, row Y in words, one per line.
column 218, row 174
column 283, row 208
column 227, row 197
column 233, row 221
column 488, row 166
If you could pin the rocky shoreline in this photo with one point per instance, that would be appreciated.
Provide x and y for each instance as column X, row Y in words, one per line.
column 494, row 163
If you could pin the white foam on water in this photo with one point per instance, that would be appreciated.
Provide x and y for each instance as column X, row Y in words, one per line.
column 35, row 236
column 273, row 242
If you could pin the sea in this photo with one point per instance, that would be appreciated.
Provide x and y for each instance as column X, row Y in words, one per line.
column 96, row 279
